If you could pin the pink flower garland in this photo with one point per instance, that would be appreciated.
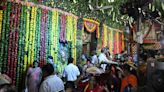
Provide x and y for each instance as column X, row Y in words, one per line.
column 63, row 28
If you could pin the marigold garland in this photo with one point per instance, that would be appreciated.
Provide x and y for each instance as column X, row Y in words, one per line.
column 94, row 26
column 69, row 28
column 56, row 40
column 1, row 17
column 26, row 38
column 74, row 40
column 111, row 41
column 104, row 40
column 117, row 41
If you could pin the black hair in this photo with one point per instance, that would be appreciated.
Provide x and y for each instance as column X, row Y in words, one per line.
column 127, row 67
column 7, row 88
column 50, row 57
column 70, row 60
column 48, row 68
column 35, row 61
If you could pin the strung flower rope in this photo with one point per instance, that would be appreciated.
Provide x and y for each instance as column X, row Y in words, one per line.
column 63, row 28
column 56, row 40
column 111, row 41
column 6, row 32
column 30, row 37
column 123, row 44
column 47, row 39
column 1, row 18
column 69, row 28
column 26, row 38
column 39, row 34
column 52, row 47
column 20, row 49
column 10, row 42
column 49, row 33
column 91, row 26
column 115, row 43
column 43, row 38
column 74, row 39
column 104, row 37
column 2, row 41
column 117, row 38
column 120, row 42
column 17, row 23
column 33, row 34
column 12, row 32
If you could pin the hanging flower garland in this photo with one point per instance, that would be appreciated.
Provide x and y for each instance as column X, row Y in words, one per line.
column 49, row 32
column 56, row 40
column 31, row 26
column 34, row 35
column 63, row 28
column 10, row 48
column 120, row 42
column 117, row 41
column 2, row 38
column 108, row 38
column 1, row 20
column 43, row 36
column 52, row 34
column 69, row 28
column 104, row 37
column 123, row 44
column 12, row 32
column 26, row 38
column 5, row 41
column 74, row 39
column 38, row 34
column 111, row 41
column 20, row 49
column 91, row 26
column 1, row 17
column 47, row 35
column 17, row 24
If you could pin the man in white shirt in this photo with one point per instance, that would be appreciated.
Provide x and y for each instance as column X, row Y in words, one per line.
column 71, row 73
column 51, row 83
column 94, row 58
column 102, row 58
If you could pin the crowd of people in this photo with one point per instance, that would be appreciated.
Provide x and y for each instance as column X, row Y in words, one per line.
column 97, row 73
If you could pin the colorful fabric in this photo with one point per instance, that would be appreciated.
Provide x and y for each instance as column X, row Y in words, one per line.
column 33, row 79
column 128, row 80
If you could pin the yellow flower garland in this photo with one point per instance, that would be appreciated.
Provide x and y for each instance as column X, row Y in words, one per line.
column 53, row 34
column 56, row 36
column 74, row 40
column 69, row 28
column 105, row 38
column 26, row 38
column 1, row 18
column 123, row 44
column 33, row 34
column 31, row 37
column 111, row 41
column 117, row 40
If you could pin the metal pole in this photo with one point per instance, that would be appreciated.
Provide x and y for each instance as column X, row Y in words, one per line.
column 138, row 30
